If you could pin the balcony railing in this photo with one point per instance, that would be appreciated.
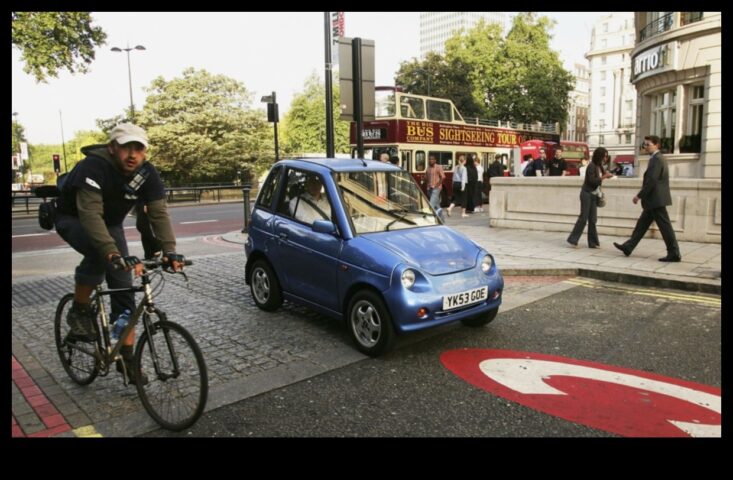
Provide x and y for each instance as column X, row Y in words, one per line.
column 690, row 17
column 660, row 25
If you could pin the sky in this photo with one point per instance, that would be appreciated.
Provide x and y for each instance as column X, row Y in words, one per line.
column 265, row 51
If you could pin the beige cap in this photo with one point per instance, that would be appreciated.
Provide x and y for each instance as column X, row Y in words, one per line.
column 127, row 132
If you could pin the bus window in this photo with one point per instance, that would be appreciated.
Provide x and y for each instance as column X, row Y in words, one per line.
column 405, row 161
column 419, row 161
column 444, row 159
column 412, row 107
column 439, row 110
column 384, row 104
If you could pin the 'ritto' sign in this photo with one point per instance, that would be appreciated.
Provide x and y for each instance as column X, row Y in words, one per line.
column 650, row 60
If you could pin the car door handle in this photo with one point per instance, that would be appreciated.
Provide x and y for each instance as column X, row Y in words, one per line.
column 282, row 236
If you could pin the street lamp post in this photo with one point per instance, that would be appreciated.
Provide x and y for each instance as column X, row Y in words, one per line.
column 129, row 74
column 427, row 76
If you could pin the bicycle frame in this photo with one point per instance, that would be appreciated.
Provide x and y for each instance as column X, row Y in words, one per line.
column 111, row 352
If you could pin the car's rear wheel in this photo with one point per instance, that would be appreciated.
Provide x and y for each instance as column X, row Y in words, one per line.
column 482, row 319
column 265, row 287
column 370, row 324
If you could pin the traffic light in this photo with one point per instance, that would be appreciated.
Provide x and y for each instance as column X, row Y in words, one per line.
column 56, row 163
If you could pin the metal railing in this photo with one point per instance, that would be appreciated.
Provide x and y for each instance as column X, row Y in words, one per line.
column 25, row 201
column 660, row 25
column 535, row 127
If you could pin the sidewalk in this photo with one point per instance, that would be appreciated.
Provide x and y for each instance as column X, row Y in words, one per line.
column 534, row 252
column 247, row 355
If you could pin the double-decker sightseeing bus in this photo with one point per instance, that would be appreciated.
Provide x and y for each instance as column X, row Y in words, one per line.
column 573, row 152
column 412, row 127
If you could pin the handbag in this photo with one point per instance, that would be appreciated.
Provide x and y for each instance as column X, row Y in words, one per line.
column 600, row 197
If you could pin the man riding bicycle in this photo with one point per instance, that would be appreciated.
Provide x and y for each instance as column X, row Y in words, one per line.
column 95, row 198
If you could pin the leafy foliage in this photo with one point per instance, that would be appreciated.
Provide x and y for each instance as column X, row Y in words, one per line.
column 53, row 41
column 516, row 78
column 304, row 126
column 202, row 129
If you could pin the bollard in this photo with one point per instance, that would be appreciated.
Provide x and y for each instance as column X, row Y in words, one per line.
column 245, row 195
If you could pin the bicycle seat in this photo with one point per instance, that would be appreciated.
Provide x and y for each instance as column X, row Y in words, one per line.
column 47, row 191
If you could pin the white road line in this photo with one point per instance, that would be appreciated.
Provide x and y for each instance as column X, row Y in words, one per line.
column 32, row 235
column 199, row 221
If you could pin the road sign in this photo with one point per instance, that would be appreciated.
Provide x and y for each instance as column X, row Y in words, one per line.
column 620, row 400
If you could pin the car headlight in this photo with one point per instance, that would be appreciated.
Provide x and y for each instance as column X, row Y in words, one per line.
column 408, row 278
column 486, row 263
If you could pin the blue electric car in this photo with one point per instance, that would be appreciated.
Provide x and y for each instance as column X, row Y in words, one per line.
column 357, row 240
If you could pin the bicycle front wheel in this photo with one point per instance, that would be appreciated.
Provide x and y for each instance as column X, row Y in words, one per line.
column 77, row 357
column 178, row 386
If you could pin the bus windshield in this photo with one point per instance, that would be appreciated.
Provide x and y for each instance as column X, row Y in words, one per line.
column 383, row 201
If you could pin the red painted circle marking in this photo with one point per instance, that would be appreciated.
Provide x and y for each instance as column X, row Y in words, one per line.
column 614, row 399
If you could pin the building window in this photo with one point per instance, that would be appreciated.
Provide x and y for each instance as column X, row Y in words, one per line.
column 663, row 118
column 602, row 124
column 605, row 28
column 603, row 75
column 604, row 43
column 603, row 91
column 691, row 142
column 602, row 107
column 603, row 60
column 628, row 138
column 601, row 140
column 690, row 17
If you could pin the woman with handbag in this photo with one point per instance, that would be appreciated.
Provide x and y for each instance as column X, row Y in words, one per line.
column 590, row 193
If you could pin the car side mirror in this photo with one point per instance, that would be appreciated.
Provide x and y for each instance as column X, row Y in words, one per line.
column 324, row 226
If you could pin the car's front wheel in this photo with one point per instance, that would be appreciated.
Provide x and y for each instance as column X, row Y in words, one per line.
column 370, row 324
column 482, row 319
column 265, row 287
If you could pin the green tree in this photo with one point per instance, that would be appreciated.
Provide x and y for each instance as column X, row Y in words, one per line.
column 202, row 129
column 448, row 78
column 18, row 135
column 304, row 126
column 516, row 78
column 53, row 41
column 530, row 84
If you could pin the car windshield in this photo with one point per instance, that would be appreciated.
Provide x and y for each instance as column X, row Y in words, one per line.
column 383, row 201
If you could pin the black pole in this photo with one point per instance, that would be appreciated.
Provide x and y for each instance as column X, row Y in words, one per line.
column 274, row 101
column 358, row 115
column 245, row 196
column 330, row 150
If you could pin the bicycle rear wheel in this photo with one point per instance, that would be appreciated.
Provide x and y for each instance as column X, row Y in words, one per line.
column 77, row 357
column 177, row 388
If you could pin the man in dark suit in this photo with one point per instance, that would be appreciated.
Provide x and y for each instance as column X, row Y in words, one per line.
column 655, row 197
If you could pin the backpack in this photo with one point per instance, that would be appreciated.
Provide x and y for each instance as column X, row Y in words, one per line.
column 47, row 210
column 529, row 169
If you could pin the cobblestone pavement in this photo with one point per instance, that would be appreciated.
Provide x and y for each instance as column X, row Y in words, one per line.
column 247, row 351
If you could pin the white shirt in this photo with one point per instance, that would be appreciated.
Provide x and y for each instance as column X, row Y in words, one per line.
column 306, row 211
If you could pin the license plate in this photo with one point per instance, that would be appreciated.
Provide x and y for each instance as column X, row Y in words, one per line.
column 462, row 299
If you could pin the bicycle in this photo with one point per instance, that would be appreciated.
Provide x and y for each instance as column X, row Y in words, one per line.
column 177, row 388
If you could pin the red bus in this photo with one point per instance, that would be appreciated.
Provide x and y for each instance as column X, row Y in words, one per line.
column 412, row 127
column 573, row 152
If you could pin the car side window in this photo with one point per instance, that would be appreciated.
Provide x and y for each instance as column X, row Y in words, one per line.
column 269, row 188
column 304, row 198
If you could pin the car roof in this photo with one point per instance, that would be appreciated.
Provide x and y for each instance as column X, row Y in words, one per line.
column 340, row 164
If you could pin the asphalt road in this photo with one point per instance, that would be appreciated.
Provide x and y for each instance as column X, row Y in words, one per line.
column 411, row 392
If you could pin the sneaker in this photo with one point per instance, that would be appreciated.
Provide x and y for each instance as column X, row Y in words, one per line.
column 450, row 207
column 130, row 371
column 81, row 322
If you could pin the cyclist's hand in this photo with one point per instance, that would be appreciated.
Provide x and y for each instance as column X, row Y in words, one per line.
column 130, row 262
column 174, row 261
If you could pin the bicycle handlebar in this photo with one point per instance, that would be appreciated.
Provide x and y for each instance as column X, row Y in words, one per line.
column 158, row 263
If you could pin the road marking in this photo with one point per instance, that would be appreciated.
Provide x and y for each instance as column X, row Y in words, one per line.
column 198, row 221
column 711, row 301
column 619, row 400
column 33, row 234
column 86, row 432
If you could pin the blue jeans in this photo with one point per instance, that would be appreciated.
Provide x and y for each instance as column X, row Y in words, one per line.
column 434, row 196
column 93, row 268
